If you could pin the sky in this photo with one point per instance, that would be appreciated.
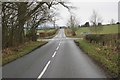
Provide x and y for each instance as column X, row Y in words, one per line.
column 107, row 9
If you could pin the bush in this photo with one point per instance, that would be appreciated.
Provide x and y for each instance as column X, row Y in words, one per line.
column 47, row 34
column 103, row 39
column 93, row 38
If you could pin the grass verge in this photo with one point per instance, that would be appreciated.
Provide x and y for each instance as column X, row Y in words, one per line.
column 11, row 54
column 99, row 55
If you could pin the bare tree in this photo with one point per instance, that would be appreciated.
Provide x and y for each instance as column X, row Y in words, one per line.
column 112, row 21
column 96, row 20
column 15, row 16
column 73, row 24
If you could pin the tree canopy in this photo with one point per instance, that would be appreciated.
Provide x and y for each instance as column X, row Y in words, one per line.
column 20, row 16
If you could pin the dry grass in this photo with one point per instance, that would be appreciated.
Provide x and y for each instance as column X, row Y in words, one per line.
column 13, row 53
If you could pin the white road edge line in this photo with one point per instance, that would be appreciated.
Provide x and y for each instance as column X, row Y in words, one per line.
column 57, row 48
column 54, row 54
column 45, row 68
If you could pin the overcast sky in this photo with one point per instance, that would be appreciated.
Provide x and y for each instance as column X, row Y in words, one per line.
column 107, row 9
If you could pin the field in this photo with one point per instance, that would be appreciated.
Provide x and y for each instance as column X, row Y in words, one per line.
column 109, row 29
column 47, row 30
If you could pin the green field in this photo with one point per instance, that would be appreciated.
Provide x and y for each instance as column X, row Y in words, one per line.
column 109, row 29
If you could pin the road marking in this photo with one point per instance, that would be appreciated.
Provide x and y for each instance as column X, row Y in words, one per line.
column 59, row 44
column 57, row 48
column 54, row 54
column 45, row 68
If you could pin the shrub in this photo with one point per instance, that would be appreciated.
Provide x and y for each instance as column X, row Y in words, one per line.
column 103, row 39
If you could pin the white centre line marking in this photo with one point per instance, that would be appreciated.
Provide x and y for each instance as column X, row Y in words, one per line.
column 57, row 48
column 45, row 68
column 54, row 54
column 59, row 44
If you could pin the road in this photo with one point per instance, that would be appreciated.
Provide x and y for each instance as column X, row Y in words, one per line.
column 59, row 58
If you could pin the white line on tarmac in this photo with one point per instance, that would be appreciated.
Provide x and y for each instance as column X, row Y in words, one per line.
column 59, row 44
column 45, row 68
column 57, row 48
column 54, row 54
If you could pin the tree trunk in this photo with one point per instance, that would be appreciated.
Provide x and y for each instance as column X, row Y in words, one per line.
column 22, row 8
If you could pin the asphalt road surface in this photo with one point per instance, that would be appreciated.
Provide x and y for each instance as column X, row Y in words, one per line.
column 59, row 58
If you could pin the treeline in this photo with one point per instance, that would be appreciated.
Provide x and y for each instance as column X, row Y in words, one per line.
column 87, row 24
column 20, row 20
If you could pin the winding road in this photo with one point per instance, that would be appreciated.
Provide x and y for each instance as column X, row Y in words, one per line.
column 59, row 58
